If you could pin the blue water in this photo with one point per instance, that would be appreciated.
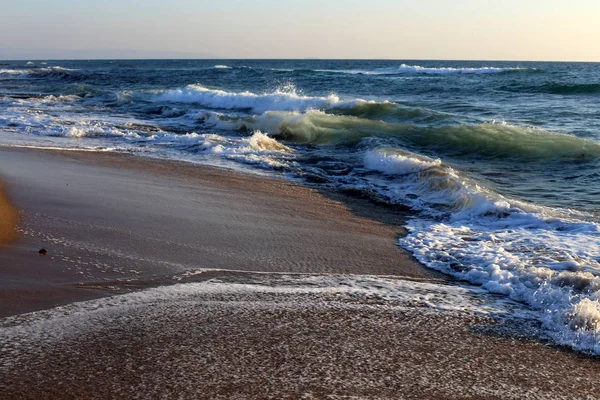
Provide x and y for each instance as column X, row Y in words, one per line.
column 500, row 161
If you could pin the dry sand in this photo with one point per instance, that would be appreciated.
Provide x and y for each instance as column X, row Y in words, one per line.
column 113, row 224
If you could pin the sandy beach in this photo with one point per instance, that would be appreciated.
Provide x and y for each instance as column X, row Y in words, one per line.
column 122, row 221
column 170, row 280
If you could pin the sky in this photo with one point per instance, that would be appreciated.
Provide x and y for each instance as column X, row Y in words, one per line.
column 553, row 30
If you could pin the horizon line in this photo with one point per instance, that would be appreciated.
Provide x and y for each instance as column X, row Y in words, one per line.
column 287, row 59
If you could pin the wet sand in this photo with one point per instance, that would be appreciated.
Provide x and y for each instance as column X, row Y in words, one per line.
column 292, row 305
column 121, row 221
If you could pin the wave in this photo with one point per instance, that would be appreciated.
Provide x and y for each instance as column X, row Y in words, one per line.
column 428, row 185
column 404, row 69
column 505, row 141
column 389, row 112
column 83, row 130
column 55, row 73
column 490, row 141
column 258, row 149
column 313, row 126
column 286, row 99
column 533, row 254
column 417, row 69
column 220, row 99
column 6, row 73
column 398, row 162
column 41, row 99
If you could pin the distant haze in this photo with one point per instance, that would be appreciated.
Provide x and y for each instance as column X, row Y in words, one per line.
column 396, row 29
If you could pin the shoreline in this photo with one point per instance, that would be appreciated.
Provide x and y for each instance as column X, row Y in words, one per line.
column 165, row 279
column 125, row 221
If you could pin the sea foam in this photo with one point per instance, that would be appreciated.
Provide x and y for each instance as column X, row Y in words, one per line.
column 417, row 69
column 536, row 255
column 220, row 99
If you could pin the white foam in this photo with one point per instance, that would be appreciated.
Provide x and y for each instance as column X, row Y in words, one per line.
column 427, row 184
column 397, row 163
column 552, row 264
column 55, row 68
column 260, row 141
column 61, row 126
column 7, row 73
column 544, row 257
column 13, row 73
column 95, row 130
column 258, row 149
column 48, row 126
column 341, row 288
column 59, row 120
column 417, row 69
column 280, row 100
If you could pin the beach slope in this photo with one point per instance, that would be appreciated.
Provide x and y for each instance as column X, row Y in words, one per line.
column 167, row 280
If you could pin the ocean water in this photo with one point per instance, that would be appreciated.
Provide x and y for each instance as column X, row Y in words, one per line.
column 500, row 161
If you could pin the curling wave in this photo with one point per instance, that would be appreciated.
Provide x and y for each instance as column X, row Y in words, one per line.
column 491, row 141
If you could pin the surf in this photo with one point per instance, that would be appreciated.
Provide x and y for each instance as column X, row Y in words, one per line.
column 545, row 257
column 417, row 69
column 486, row 140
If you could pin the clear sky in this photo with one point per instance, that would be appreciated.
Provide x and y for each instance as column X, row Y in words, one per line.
column 397, row 29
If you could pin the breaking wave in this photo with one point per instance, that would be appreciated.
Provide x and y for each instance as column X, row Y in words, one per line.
column 12, row 73
column 220, row 99
column 536, row 255
column 287, row 99
column 51, row 73
column 427, row 184
column 491, row 141
column 258, row 149
column 417, row 69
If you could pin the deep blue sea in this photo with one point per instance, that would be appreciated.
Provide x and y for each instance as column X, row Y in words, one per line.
column 500, row 161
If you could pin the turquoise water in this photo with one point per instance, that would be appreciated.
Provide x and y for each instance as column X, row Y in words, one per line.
column 499, row 160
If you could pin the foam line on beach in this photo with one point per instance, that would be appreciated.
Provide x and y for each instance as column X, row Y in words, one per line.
column 438, row 295
column 237, row 330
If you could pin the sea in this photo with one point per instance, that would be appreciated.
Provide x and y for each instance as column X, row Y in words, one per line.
column 499, row 162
